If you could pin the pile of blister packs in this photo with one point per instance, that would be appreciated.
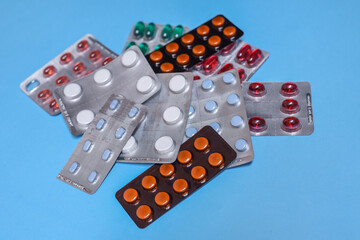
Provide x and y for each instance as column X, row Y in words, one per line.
column 175, row 97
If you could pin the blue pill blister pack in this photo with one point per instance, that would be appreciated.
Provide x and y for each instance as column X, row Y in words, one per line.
column 218, row 102
column 102, row 143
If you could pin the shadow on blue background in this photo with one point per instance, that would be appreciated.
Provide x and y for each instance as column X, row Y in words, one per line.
column 297, row 187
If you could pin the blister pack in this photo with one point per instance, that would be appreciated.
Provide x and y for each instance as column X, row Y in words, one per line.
column 163, row 186
column 279, row 108
column 246, row 58
column 84, row 56
column 151, row 36
column 102, row 143
column 129, row 75
column 197, row 45
column 218, row 101
column 159, row 136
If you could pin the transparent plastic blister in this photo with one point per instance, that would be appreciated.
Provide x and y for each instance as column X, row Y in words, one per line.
column 151, row 36
column 218, row 101
column 279, row 108
column 84, row 56
column 102, row 143
column 159, row 136
column 129, row 75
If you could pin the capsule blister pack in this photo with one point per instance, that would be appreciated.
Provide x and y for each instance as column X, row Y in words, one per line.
column 218, row 102
column 102, row 143
column 197, row 45
column 279, row 108
column 129, row 75
column 150, row 36
column 163, row 186
column 84, row 56
column 239, row 55
column 159, row 136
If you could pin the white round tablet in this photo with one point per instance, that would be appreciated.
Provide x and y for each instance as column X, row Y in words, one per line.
column 72, row 90
column 85, row 117
column 130, row 145
column 164, row 145
column 177, row 83
column 130, row 58
column 172, row 115
column 102, row 76
column 145, row 84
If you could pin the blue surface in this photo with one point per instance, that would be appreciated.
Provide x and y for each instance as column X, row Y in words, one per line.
column 296, row 188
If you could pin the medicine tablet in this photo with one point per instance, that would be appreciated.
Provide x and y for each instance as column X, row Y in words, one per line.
column 162, row 199
column 172, row 115
column 105, row 156
column 229, row 78
column 92, row 176
column 149, row 182
column 233, row 99
column 241, row 145
column 184, row 157
column 73, row 167
column 130, row 145
column 207, row 84
column 201, row 144
column 237, row 121
column 191, row 110
column 100, row 124
column 180, row 186
column 102, row 76
column 119, row 133
column 131, row 195
column 85, row 117
column 87, row 145
column 177, row 84
column 72, row 90
column 133, row 112
column 215, row 126
column 167, row 170
column 114, row 103
column 216, row 159
column 144, row 212
column 211, row 106
column 145, row 84
column 130, row 58
column 190, row 132
column 164, row 145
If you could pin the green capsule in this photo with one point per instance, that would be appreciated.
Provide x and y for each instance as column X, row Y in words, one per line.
column 166, row 33
column 178, row 31
column 139, row 30
column 144, row 48
column 150, row 31
column 158, row 46
column 130, row 44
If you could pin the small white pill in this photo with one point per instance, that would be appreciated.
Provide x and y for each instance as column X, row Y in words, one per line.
column 85, row 117
column 130, row 145
column 130, row 58
column 164, row 145
column 102, row 76
column 177, row 83
column 172, row 115
column 72, row 90
column 145, row 84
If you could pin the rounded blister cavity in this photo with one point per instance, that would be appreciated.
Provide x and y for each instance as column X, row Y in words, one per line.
column 237, row 121
column 106, row 155
column 73, row 167
column 102, row 76
column 85, row 117
column 100, row 124
column 130, row 58
column 87, row 145
column 92, row 176
column 133, row 111
column 114, row 103
column 120, row 133
column 164, row 145
column 72, row 90
column 177, row 84
column 190, row 132
column 207, row 85
column 233, row 99
column 172, row 115
column 211, row 106
column 145, row 84
column 216, row 126
column 241, row 145
column 130, row 146
column 229, row 78
column 191, row 111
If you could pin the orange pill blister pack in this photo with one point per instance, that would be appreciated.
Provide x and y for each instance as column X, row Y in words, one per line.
column 163, row 186
column 81, row 58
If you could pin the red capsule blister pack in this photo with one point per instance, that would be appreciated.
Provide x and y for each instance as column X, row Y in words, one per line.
column 81, row 58
column 239, row 55
column 279, row 108
column 185, row 52
column 162, row 187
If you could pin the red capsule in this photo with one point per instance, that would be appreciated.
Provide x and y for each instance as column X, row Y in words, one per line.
column 289, row 89
column 241, row 74
column 254, row 58
column 256, row 89
column 257, row 124
column 290, row 106
column 243, row 53
column 210, row 64
column 196, row 77
column 44, row 95
column 66, row 58
column 226, row 68
column 106, row 60
column 228, row 49
column 62, row 80
column 291, row 124
column 49, row 71
column 82, row 46
column 79, row 68
column 95, row 55
column 53, row 105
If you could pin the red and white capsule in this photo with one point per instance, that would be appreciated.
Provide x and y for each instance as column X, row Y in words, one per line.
column 62, row 80
column 49, row 71
column 95, row 55
column 66, row 58
column 79, row 68
column 83, row 46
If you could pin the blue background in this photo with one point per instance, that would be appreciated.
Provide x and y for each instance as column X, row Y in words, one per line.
column 304, row 187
